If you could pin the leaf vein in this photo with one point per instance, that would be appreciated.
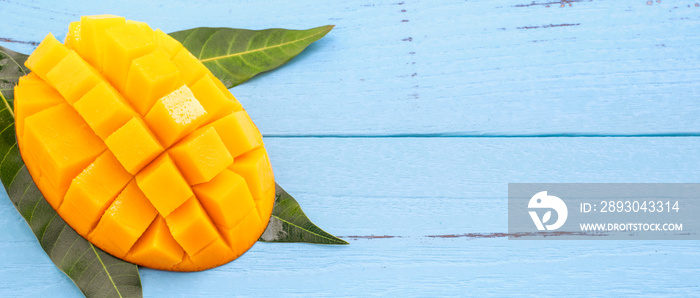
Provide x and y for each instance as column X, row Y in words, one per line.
column 204, row 45
column 13, row 60
column 264, row 48
column 7, row 104
column 291, row 224
column 106, row 271
column 8, row 153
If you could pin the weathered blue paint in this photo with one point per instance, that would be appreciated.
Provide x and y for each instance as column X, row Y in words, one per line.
column 426, row 111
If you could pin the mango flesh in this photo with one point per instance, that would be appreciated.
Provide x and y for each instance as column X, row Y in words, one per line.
column 140, row 149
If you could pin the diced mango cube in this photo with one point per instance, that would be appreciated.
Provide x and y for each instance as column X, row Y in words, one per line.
column 157, row 247
column 226, row 92
column 265, row 205
column 201, row 156
column 151, row 77
column 134, row 145
column 163, row 185
column 52, row 195
column 123, row 44
column 166, row 42
column 214, row 101
column 92, row 35
column 124, row 221
column 73, row 40
column 104, row 109
column 62, row 149
column 255, row 167
column 191, row 70
column 73, row 77
column 226, row 198
column 33, row 95
column 245, row 233
column 31, row 79
column 238, row 133
column 191, row 227
column 217, row 253
column 145, row 27
column 175, row 115
column 92, row 192
column 49, row 52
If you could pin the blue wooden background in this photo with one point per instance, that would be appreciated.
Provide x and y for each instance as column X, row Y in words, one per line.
column 409, row 120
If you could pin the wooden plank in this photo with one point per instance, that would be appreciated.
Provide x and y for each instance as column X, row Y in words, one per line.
column 455, row 68
column 446, row 267
column 415, row 188
column 473, row 167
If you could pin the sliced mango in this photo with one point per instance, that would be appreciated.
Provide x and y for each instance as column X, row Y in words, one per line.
column 255, row 167
column 124, row 221
column 73, row 40
column 224, row 90
column 150, row 77
column 201, row 156
column 175, row 115
column 39, row 95
column 191, row 227
column 166, row 42
column 92, row 36
column 157, row 247
column 140, row 149
column 191, row 69
column 62, row 149
column 217, row 252
column 134, row 145
column 123, row 44
column 214, row 101
column 49, row 53
column 226, row 198
column 145, row 27
column 104, row 109
column 163, row 185
column 73, row 77
column 262, row 204
column 92, row 192
column 238, row 133
column 242, row 234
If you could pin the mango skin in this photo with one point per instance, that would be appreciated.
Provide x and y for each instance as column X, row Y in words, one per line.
column 140, row 149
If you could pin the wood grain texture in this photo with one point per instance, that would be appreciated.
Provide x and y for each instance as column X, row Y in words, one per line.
column 457, row 68
column 415, row 188
column 462, row 69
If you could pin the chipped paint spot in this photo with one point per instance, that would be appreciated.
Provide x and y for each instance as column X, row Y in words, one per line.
column 548, row 26
column 3, row 39
column 369, row 237
column 547, row 4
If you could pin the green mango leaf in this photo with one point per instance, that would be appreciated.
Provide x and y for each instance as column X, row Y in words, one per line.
column 236, row 55
column 11, row 68
column 95, row 272
column 289, row 224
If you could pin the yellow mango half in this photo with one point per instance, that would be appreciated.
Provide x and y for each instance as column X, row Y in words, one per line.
column 140, row 149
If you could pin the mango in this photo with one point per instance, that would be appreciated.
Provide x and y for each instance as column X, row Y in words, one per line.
column 140, row 149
